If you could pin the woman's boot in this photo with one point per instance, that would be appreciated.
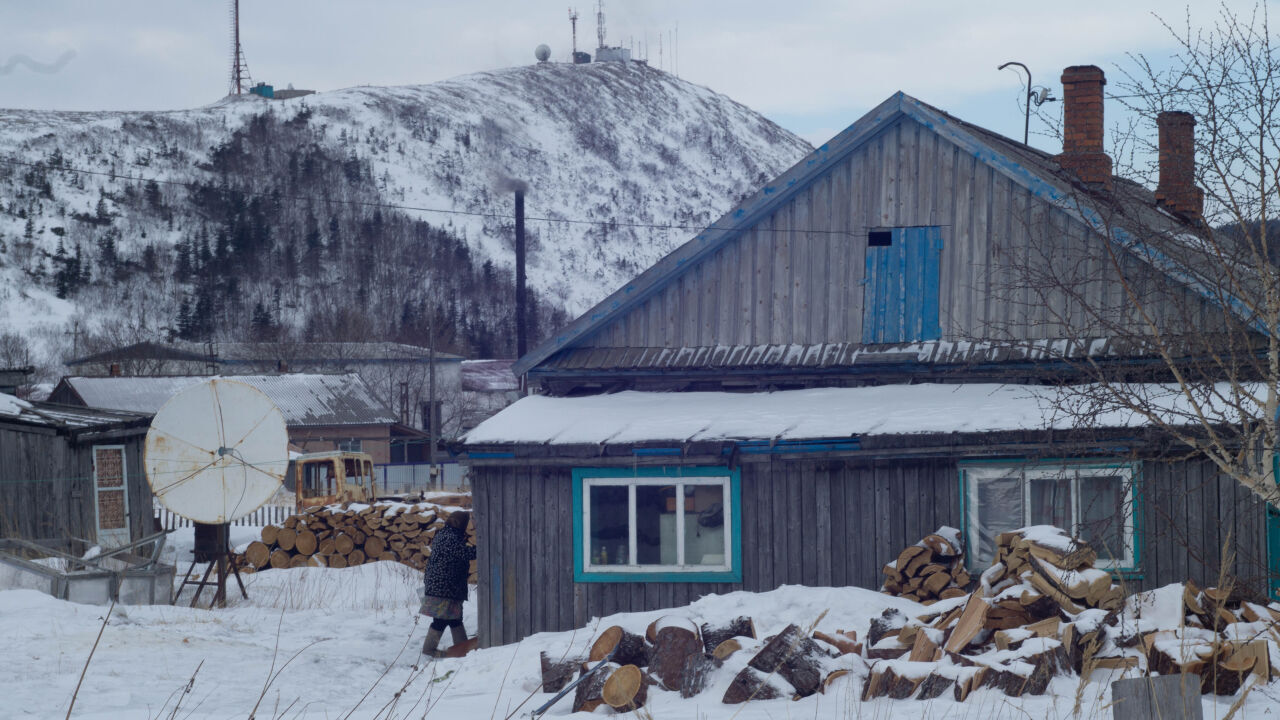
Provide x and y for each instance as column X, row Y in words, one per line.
column 432, row 642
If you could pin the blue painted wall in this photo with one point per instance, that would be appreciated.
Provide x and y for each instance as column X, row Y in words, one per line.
column 901, row 287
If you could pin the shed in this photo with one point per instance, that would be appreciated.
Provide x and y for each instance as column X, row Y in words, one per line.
column 836, row 368
column 72, row 472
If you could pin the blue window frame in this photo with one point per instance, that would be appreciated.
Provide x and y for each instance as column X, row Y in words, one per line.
column 1094, row 501
column 657, row 524
column 902, row 285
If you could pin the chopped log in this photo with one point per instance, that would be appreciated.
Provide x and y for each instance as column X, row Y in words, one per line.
column 940, row 546
column 832, row 677
column 1118, row 662
column 934, row 686
column 697, row 673
column 587, row 696
column 843, row 644
column 924, row 650
column 305, row 543
column 279, row 558
column 355, row 558
column 343, row 544
column 374, row 546
column 625, row 689
column 337, row 561
column 726, row 649
column 291, row 522
column 970, row 623
column 269, row 535
column 326, row 546
column 937, row 582
column 298, row 561
column 738, row 627
column 285, row 538
column 886, row 683
column 258, row 554
column 749, row 684
column 889, row 622
column 627, row 648
column 674, row 646
column 795, row 657
column 906, row 556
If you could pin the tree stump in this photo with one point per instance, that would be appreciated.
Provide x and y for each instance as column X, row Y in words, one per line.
column 625, row 689
column 587, row 697
column 556, row 674
column 627, row 648
column 738, row 627
column 749, row 684
column 697, row 673
column 795, row 657
column 675, row 645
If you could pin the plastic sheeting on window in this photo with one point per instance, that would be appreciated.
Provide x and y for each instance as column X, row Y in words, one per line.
column 998, row 508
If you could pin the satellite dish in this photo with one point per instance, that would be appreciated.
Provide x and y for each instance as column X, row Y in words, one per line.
column 542, row 52
column 216, row 451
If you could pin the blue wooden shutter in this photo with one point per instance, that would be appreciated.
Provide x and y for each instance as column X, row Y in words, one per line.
column 901, row 287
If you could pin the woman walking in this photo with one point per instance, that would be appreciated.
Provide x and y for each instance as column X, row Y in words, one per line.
column 445, row 582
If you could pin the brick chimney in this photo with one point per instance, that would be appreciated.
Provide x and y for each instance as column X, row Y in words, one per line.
column 1082, row 135
column 1177, row 190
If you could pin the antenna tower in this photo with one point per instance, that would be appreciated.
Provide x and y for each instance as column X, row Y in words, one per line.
column 240, row 81
column 600, row 22
column 573, row 20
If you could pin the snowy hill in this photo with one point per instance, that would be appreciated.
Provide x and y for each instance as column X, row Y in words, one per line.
column 253, row 216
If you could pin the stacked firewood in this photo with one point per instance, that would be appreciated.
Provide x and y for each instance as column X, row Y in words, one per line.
column 1040, row 610
column 1223, row 639
column 347, row 535
column 932, row 569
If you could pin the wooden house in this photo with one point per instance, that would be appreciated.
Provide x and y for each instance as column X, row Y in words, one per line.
column 72, row 473
column 322, row 412
column 825, row 375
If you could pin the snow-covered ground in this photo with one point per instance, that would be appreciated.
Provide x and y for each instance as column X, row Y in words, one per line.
column 323, row 643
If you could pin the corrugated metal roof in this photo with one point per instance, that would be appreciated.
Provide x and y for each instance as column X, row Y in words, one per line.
column 303, row 399
column 269, row 353
column 66, row 417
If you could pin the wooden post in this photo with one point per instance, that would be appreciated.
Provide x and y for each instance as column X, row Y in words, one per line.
column 1162, row 697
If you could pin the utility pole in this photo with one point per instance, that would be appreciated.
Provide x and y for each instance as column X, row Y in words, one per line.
column 521, row 321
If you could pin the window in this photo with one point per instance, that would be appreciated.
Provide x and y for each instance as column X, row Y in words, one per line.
column 351, row 445
column 901, row 285
column 1093, row 502
column 656, row 524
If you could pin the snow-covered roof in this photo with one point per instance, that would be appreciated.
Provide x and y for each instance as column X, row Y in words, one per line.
column 489, row 376
column 819, row 413
column 303, row 399
column 268, row 353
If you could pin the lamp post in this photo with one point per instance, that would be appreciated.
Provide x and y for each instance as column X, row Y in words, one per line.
column 1026, row 126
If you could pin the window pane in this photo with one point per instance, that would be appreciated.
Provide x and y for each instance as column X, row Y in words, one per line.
column 655, row 525
column 704, row 525
column 999, row 510
column 1050, row 499
column 1102, row 515
column 609, row 539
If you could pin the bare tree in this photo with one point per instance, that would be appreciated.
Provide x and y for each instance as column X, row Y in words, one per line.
column 1172, row 322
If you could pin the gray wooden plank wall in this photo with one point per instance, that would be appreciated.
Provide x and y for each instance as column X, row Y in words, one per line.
column 820, row 523
column 46, row 486
column 792, row 280
column 803, row 522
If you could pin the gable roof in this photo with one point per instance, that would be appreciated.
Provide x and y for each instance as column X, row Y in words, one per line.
column 303, row 399
column 66, row 417
column 1032, row 169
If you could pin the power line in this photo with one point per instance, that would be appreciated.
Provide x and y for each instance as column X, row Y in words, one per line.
column 412, row 208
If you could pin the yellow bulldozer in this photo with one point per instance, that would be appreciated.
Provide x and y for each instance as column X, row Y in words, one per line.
column 331, row 477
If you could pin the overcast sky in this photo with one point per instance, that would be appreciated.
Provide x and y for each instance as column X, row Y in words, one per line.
column 813, row 66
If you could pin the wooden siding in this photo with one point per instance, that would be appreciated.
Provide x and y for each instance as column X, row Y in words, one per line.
column 796, row 277
column 818, row 523
column 46, row 485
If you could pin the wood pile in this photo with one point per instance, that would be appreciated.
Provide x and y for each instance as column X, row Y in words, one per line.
column 931, row 570
column 676, row 655
column 351, row 534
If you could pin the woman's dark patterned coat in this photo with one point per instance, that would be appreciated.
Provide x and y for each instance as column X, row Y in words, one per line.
column 449, row 564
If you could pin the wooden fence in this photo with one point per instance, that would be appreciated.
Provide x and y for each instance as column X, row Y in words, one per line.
column 265, row 515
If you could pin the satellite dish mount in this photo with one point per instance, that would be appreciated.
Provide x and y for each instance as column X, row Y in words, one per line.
column 215, row 452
